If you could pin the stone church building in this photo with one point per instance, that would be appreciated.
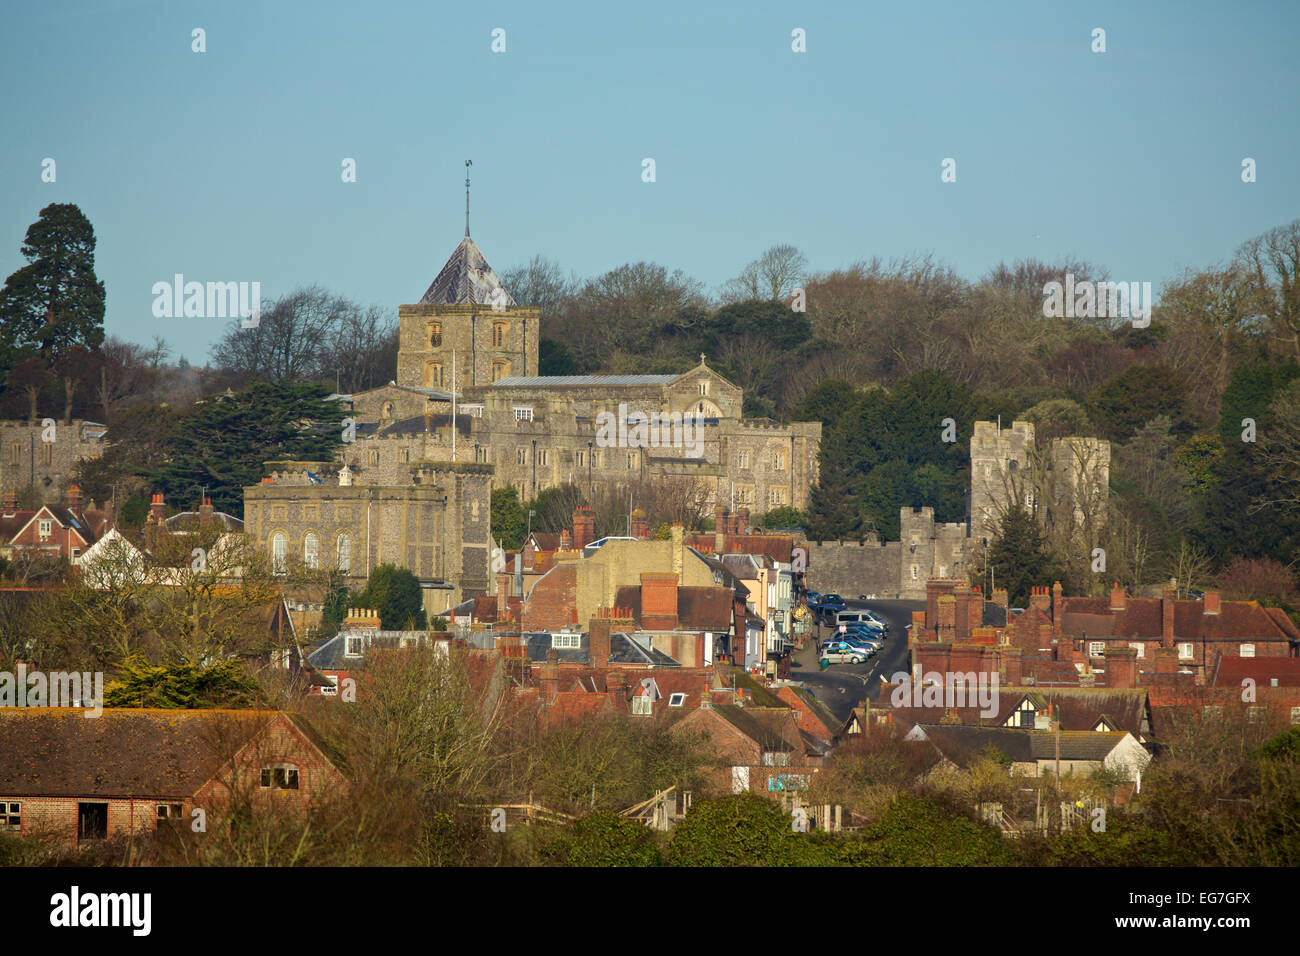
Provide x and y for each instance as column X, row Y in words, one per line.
column 413, row 486
column 537, row 432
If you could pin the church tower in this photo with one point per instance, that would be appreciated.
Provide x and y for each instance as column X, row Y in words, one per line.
column 466, row 311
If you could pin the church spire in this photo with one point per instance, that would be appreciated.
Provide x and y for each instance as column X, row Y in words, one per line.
column 468, row 164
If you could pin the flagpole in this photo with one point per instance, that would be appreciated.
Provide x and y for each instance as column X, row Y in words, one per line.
column 453, row 376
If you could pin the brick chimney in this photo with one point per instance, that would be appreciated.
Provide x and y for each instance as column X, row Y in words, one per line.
column 1058, row 602
column 548, row 678
column 584, row 527
column 1121, row 668
column 1166, row 660
column 961, row 614
column 157, row 510
column 529, row 555
column 742, row 520
column 640, row 525
column 946, row 617
column 566, row 540
column 1040, row 598
column 598, row 639
column 1118, row 599
column 1167, row 618
column 975, row 609
column 74, row 499
column 1000, row 597
column 11, row 500
column 1211, row 602
column 719, row 530
column 206, row 511
column 1013, row 664
column 658, row 601
column 934, row 589
column 360, row 619
column 615, row 686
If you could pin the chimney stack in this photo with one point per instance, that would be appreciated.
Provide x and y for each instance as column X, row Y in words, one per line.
column 640, row 524
column 1118, row 599
column 719, row 529
column 1212, row 604
column 584, row 527
column 1058, row 602
column 599, row 635
column 742, row 520
column 74, row 500
column 566, row 540
column 1167, row 618
column 206, row 511
column 1121, row 668
column 11, row 500
column 157, row 511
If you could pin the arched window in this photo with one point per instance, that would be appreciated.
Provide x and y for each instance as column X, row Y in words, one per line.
column 500, row 370
column 435, row 335
column 498, row 335
column 311, row 550
column 344, row 552
column 279, row 551
column 433, row 375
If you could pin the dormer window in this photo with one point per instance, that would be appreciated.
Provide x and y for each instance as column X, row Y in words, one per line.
column 566, row 641
column 44, row 528
column 676, row 700
column 353, row 646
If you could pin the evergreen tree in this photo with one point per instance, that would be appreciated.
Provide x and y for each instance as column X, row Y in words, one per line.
column 395, row 593
column 1019, row 558
column 509, row 525
column 54, row 303
column 224, row 442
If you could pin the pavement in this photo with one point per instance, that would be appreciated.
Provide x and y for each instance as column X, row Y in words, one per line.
column 841, row 687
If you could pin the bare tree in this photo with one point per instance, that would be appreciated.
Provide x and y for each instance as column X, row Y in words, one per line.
column 773, row 275
column 1273, row 263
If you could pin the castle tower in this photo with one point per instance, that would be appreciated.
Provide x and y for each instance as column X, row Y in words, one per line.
column 997, row 456
column 468, row 310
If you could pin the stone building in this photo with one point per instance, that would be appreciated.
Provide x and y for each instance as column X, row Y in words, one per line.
column 1065, row 485
column 541, row 431
column 434, row 522
column 43, row 455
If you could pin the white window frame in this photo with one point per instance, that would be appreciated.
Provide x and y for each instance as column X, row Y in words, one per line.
column 343, row 552
column 1096, row 648
column 354, row 645
column 642, row 705
column 566, row 641
column 1295, row 716
column 677, row 700
column 44, row 527
column 311, row 550
column 1140, row 648
column 1247, row 650
column 1186, row 651
column 523, row 413
column 279, row 552
column 473, row 411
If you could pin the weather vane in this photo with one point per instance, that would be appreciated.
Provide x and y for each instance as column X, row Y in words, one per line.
column 468, row 164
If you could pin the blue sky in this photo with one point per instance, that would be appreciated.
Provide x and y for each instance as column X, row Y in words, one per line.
column 225, row 165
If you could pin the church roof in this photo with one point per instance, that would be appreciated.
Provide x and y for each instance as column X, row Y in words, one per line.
column 465, row 279
column 559, row 381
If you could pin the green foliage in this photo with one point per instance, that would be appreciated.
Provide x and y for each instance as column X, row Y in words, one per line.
column 335, row 610
column 1249, row 394
column 1020, row 559
column 1128, row 840
column 554, row 359
column 785, row 517
column 509, row 523
column 395, row 593
column 920, row 831
column 182, row 686
column 826, row 402
column 1136, row 396
column 604, row 839
column 55, row 303
column 224, row 442
column 739, row 830
column 1285, row 746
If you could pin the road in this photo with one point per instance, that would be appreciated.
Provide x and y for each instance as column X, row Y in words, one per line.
column 841, row 687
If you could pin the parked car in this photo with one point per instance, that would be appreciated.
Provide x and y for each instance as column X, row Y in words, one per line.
column 861, row 637
column 868, row 627
column 852, row 643
column 843, row 655
column 812, row 597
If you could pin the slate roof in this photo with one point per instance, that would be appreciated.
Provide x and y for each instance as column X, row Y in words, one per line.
column 960, row 743
column 573, row 381
column 698, row 608
column 465, row 279
column 58, row 751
